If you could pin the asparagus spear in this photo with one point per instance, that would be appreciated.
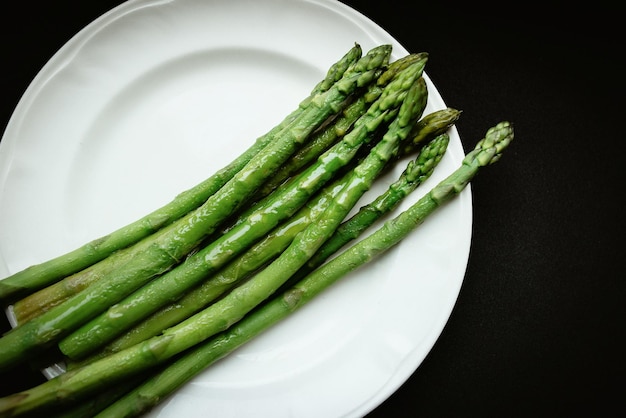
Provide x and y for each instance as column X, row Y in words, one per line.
column 382, row 106
column 311, row 149
column 40, row 301
column 167, row 247
column 88, row 379
column 415, row 174
column 166, row 289
column 38, row 276
column 273, row 244
column 143, row 398
column 224, row 280
column 324, row 138
column 43, row 300
column 261, row 253
column 99, row 401
column 232, row 307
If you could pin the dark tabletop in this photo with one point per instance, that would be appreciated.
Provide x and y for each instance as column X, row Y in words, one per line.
column 539, row 323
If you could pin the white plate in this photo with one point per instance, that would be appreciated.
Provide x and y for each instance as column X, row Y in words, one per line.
column 155, row 96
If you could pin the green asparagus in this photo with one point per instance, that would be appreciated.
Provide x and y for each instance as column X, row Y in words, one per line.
column 275, row 242
column 169, row 246
column 44, row 299
column 218, row 317
column 89, row 379
column 145, row 397
column 415, row 174
column 430, row 126
column 92, row 405
column 38, row 276
column 278, row 207
column 311, row 149
column 225, row 279
column 376, row 107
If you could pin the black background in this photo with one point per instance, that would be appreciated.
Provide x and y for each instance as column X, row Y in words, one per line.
column 539, row 324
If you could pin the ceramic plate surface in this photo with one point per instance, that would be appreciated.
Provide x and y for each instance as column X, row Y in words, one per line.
column 155, row 96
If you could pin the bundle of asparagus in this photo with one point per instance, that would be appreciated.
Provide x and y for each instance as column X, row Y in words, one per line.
column 136, row 314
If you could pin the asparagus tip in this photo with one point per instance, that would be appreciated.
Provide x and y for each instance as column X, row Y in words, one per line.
column 489, row 149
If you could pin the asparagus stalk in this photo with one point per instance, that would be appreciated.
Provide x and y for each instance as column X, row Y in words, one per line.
column 380, row 103
column 145, row 397
column 254, row 258
column 99, row 401
column 43, row 300
column 415, row 174
column 313, row 148
column 38, row 276
column 170, row 245
column 224, row 280
column 274, row 243
column 40, row 301
column 329, row 135
column 431, row 127
column 166, row 289
column 84, row 381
